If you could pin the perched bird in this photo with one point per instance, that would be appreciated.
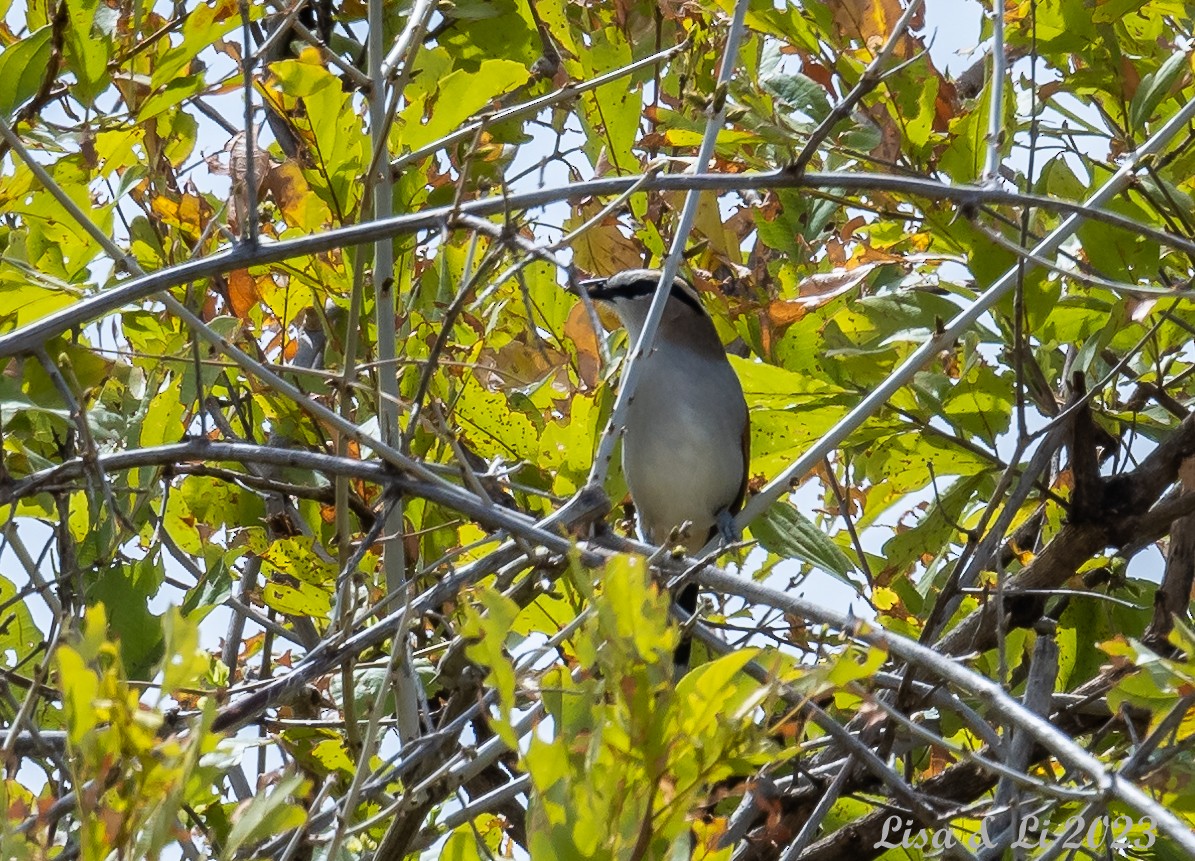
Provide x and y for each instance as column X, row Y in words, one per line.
column 687, row 437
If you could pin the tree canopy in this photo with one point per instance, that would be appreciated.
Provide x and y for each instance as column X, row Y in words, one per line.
column 315, row 542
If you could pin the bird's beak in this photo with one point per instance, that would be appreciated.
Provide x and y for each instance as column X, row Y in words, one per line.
column 586, row 285
column 603, row 307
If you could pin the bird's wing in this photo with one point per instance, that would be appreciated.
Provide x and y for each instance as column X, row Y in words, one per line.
column 737, row 505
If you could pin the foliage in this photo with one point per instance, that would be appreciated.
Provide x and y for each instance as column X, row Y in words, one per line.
column 258, row 602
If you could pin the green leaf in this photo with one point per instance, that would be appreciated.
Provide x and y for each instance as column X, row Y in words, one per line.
column 964, row 157
column 486, row 634
column 1154, row 89
column 23, row 66
column 199, row 32
column 799, row 93
column 461, row 94
column 1112, row 11
column 480, row 840
column 267, row 814
column 125, row 590
column 18, row 633
column 300, row 581
column 87, row 50
column 332, row 755
column 493, row 428
column 164, row 419
column 80, row 689
column 367, row 684
column 211, row 591
column 1118, row 253
column 14, row 405
column 302, row 79
column 787, row 532
column 632, row 614
column 611, row 113
column 462, row 845
column 979, row 404
column 790, row 23
column 863, row 135
column 853, row 664
column 185, row 663
column 914, row 101
column 174, row 93
column 712, row 692
column 22, row 303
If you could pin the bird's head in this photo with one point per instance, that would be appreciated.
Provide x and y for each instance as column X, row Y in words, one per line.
column 629, row 294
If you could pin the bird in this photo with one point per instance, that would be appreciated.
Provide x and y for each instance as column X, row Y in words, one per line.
column 686, row 442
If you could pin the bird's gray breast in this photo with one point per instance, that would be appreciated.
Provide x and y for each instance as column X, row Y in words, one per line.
column 682, row 449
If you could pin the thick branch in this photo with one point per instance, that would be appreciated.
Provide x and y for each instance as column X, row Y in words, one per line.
column 1174, row 594
column 1122, row 516
column 1062, row 746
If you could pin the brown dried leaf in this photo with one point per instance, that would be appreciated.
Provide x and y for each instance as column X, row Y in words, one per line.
column 872, row 21
column 939, row 761
column 835, row 252
column 603, row 249
column 579, row 330
column 848, row 230
column 783, row 313
column 820, row 288
column 238, row 170
column 238, row 161
column 891, row 138
column 871, row 254
column 709, row 224
column 290, row 190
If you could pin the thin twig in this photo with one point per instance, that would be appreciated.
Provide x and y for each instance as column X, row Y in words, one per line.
column 995, row 137
column 249, row 229
column 867, row 82
column 642, row 349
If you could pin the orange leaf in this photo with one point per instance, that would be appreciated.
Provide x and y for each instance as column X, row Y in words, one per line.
column 243, row 294
column 579, row 329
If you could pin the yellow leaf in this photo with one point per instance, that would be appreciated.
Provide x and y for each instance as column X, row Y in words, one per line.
column 80, row 689
column 884, row 598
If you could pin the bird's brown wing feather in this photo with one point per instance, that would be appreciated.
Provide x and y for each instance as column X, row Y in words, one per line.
column 737, row 505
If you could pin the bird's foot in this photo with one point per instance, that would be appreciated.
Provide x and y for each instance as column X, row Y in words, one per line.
column 727, row 529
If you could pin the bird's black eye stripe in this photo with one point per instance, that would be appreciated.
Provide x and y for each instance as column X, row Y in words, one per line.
column 638, row 289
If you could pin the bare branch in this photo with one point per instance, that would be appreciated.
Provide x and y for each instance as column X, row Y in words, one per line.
column 28, row 337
